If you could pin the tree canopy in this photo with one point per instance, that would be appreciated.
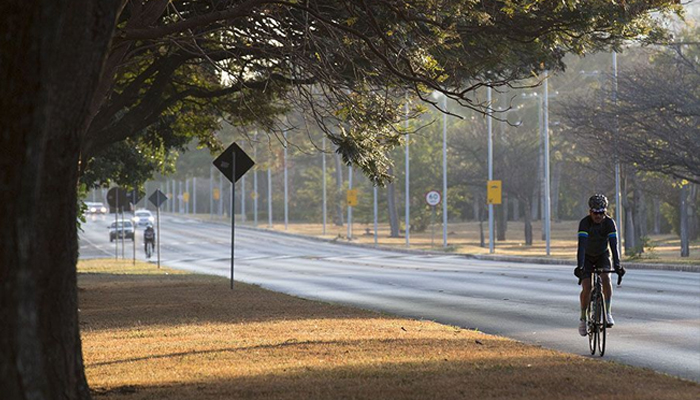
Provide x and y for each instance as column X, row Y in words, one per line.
column 651, row 119
column 176, row 68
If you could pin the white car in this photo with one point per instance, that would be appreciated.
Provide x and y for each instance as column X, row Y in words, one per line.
column 121, row 229
column 143, row 217
column 95, row 208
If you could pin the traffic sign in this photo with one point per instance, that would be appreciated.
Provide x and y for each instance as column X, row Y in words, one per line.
column 186, row 197
column 433, row 198
column 225, row 159
column 157, row 198
column 351, row 197
column 134, row 196
column 493, row 192
column 116, row 197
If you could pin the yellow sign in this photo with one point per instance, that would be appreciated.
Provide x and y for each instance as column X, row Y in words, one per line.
column 186, row 197
column 352, row 197
column 217, row 194
column 493, row 192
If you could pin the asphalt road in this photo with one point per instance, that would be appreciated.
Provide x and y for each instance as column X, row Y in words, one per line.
column 657, row 313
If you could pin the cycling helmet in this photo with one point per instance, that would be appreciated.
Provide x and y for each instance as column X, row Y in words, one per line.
column 598, row 202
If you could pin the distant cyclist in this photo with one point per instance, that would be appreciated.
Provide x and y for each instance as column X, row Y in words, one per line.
column 597, row 240
column 149, row 239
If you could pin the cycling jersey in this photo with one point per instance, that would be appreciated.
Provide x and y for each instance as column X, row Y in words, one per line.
column 597, row 234
column 149, row 235
column 594, row 240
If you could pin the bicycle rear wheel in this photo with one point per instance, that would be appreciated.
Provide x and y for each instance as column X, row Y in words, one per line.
column 602, row 326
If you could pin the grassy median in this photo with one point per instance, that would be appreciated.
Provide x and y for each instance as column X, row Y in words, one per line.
column 164, row 334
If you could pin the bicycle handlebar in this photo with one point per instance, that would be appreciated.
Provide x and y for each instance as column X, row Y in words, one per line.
column 600, row 271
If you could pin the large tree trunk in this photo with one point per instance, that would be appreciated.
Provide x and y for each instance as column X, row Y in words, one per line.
column 52, row 56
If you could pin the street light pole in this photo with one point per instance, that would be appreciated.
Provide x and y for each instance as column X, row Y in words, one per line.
column 286, row 190
column 323, row 175
column 350, row 205
column 618, row 204
column 408, row 181
column 444, row 171
column 490, row 164
column 255, row 181
column 547, row 196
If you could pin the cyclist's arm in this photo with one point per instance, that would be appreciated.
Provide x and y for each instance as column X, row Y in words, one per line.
column 612, row 239
column 582, row 243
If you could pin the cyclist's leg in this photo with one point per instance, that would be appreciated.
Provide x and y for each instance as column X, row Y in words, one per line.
column 606, row 265
column 586, row 284
column 585, row 294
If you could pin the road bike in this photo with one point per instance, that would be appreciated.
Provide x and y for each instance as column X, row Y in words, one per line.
column 149, row 249
column 597, row 318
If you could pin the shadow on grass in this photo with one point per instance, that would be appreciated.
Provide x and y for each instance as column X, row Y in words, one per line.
column 110, row 301
column 441, row 379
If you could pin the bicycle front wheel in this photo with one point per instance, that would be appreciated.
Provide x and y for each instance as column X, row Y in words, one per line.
column 602, row 324
column 592, row 326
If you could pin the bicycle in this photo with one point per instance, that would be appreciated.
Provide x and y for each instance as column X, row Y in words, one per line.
column 597, row 319
column 149, row 249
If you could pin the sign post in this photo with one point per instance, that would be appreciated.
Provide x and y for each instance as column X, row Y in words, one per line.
column 233, row 163
column 116, row 199
column 158, row 198
column 133, row 196
column 433, row 198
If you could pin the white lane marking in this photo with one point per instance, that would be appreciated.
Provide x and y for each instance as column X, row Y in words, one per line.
column 91, row 243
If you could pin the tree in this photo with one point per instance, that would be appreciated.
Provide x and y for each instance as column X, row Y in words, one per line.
column 652, row 121
column 145, row 66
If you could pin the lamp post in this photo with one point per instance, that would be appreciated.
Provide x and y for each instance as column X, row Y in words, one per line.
column 255, row 181
column 286, row 189
column 408, row 181
column 547, row 196
column 323, row 177
column 444, row 167
column 490, row 166
column 618, row 204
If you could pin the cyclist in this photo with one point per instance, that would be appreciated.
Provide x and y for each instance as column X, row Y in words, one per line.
column 149, row 238
column 597, row 240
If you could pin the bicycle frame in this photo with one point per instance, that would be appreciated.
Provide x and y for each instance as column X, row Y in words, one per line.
column 597, row 320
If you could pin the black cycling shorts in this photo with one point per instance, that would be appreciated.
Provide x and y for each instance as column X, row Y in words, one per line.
column 602, row 261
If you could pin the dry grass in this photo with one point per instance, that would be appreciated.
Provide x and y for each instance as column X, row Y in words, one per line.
column 161, row 335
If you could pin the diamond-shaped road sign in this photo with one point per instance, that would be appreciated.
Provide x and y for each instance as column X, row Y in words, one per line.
column 224, row 160
column 157, row 198
column 134, row 196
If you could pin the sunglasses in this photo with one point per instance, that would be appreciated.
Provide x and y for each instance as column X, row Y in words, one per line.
column 598, row 212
